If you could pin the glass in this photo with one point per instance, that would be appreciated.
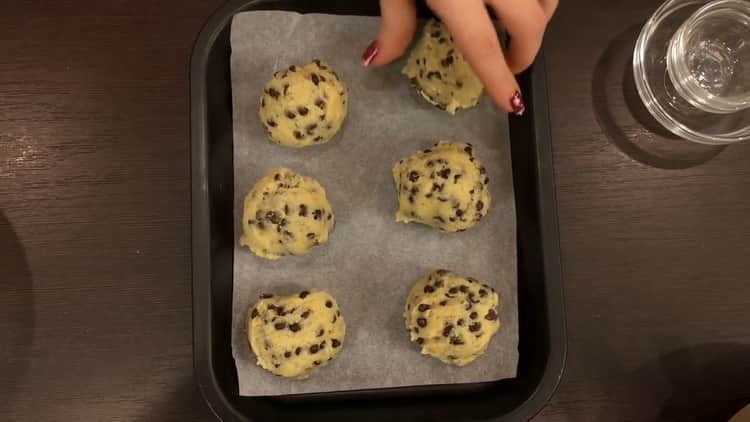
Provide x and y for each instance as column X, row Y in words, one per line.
column 692, row 69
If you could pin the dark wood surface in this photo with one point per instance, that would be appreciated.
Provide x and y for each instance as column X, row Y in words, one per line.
column 95, row 309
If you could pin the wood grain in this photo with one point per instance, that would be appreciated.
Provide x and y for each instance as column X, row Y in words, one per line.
column 95, row 318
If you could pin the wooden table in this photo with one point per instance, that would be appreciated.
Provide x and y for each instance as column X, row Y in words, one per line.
column 95, row 306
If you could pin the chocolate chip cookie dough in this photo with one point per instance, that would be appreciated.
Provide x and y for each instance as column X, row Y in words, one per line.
column 293, row 336
column 440, row 73
column 303, row 105
column 444, row 186
column 285, row 214
column 452, row 318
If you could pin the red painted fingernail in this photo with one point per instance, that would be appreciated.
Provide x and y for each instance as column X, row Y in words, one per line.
column 516, row 103
column 370, row 52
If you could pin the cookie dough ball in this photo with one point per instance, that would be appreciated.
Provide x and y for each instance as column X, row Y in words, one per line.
column 293, row 336
column 303, row 105
column 450, row 317
column 444, row 186
column 285, row 214
column 440, row 73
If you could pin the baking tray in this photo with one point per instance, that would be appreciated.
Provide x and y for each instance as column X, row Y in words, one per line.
column 542, row 338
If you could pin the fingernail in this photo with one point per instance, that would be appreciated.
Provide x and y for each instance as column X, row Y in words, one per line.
column 370, row 52
column 516, row 103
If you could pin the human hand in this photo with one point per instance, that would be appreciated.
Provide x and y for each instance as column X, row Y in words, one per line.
column 475, row 36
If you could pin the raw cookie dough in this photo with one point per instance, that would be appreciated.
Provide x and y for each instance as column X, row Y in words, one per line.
column 285, row 214
column 303, row 105
column 451, row 317
column 444, row 186
column 440, row 73
column 293, row 336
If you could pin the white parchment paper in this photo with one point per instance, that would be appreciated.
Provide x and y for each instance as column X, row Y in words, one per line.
column 370, row 262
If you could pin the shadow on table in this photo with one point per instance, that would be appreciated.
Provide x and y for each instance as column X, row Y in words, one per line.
column 626, row 121
column 184, row 404
column 709, row 382
column 16, row 314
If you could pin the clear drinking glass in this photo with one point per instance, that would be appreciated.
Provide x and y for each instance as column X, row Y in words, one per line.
column 692, row 69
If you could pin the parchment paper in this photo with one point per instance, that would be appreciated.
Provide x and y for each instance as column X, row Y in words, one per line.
column 370, row 261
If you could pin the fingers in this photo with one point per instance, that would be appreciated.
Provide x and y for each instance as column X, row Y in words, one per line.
column 549, row 7
column 397, row 26
column 525, row 22
column 477, row 40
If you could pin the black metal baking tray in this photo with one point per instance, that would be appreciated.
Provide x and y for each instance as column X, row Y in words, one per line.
column 542, row 338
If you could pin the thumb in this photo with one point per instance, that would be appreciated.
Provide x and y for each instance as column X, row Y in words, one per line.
column 397, row 26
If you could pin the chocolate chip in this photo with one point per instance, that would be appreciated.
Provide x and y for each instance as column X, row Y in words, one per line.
column 273, row 93
column 314, row 78
column 280, row 325
column 322, row 345
column 447, row 330
column 468, row 149
column 439, row 218
column 311, row 236
column 266, row 296
column 271, row 123
column 254, row 313
column 335, row 318
column 335, row 343
column 305, row 314
column 318, row 139
column 338, row 312
column 413, row 176
column 320, row 333
column 290, row 114
column 423, row 307
column 429, row 289
column 297, row 351
column 320, row 103
column 480, row 205
column 411, row 199
column 439, row 283
column 444, row 173
column 292, row 68
column 419, row 340
column 317, row 214
column 286, row 87
column 486, row 180
column 451, row 357
column 298, row 134
column 294, row 327
column 482, row 292
column 475, row 326
column 303, row 210
column 456, row 341
column 435, row 34
column 422, row 322
column 322, row 78
column 276, row 365
column 491, row 315
column 434, row 74
column 460, row 322
column 283, row 222
column 473, row 315
column 317, row 62
column 314, row 349
column 316, row 363
column 453, row 290
column 463, row 288
column 287, row 354
column 310, row 128
column 446, row 61
column 288, row 234
column 302, row 110
column 443, row 302
column 329, row 304
column 459, row 213
column 280, row 311
column 429, row 195
column 303, row 294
